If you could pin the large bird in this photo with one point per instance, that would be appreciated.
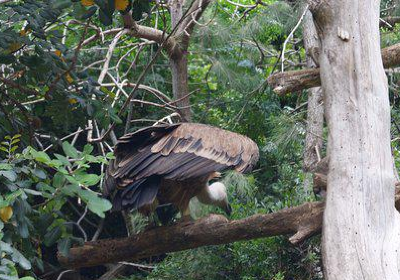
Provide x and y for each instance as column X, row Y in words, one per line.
column 170, row 164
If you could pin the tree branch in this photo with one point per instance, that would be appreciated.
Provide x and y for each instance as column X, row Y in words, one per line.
column 195, row 11
column 302, row 221
column 292, row 81
column 148, row 33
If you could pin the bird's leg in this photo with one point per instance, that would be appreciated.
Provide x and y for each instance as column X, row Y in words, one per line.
column 185, row 214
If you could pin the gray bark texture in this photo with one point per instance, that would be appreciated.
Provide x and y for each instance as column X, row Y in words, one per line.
column 315, row 108
column 361, row 228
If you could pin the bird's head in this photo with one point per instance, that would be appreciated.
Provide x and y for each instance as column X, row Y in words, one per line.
column 219, row 196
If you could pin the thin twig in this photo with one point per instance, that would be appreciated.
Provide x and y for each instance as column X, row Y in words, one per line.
column 291, row 34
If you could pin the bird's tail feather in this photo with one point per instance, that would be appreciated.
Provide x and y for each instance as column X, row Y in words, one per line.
column 138, row 194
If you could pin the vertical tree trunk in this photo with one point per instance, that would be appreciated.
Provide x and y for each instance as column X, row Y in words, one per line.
column 180, row 88
column 361, row 230
column 315, row 108
column 179, row 66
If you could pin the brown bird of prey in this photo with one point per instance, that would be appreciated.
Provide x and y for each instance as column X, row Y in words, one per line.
column 170, row 164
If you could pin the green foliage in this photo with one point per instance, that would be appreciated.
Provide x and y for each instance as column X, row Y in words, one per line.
column 34, row 189
column 201, row 263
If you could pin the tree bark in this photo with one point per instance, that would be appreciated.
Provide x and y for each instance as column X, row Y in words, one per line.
column 292, row 81
column 315, row 108
column 179, row 66
column 180, row 87
column 302, row 221
column 361, row 227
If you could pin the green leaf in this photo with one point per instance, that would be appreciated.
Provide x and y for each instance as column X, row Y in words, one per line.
column 108, row 92
column 55, row 163
column 13, row 149
column 5, row 247
column 114, row 116
column 5, row 166
column 46, row 190
column 95, row 203
column 88, row 179
column 110, row 155
column 3, row 203
column 88, row 149
column 32, row 192
column 61, row 4
column 63, row 159
column 7, row 59
column 64, row 245
column 91, row 158
column 58, row 180
column 52, row 236
column 14, row 141
column 72, row 180
column 70, row 190
column 69, row 150
column 12, row 196
column 20, row 259
column 9, row 174
column 39, row 173
column 40, row 156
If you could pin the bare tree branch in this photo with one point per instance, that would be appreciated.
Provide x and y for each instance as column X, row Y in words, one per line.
column 302, row 221
column 195, row 11
column 293, row 81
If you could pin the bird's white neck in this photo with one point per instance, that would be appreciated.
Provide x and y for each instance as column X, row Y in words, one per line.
column 214, row 194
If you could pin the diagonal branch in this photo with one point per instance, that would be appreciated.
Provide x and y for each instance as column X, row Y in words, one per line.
column 303, row 221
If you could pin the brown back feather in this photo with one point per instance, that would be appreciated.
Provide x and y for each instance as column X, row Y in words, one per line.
column 177, row 152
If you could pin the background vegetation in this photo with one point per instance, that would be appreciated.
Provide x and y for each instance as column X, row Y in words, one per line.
column 53, row 104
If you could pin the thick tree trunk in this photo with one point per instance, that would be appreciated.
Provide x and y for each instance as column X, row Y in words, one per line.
column 315, row 108
column 361, row 228
column 179, row 66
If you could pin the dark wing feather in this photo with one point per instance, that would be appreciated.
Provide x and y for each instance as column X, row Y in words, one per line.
column 175, row 152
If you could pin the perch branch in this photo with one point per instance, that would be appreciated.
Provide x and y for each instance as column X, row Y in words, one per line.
column 302, row 221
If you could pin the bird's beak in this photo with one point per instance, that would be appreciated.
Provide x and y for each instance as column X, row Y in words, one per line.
column 217, row 175
column 228, row 209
